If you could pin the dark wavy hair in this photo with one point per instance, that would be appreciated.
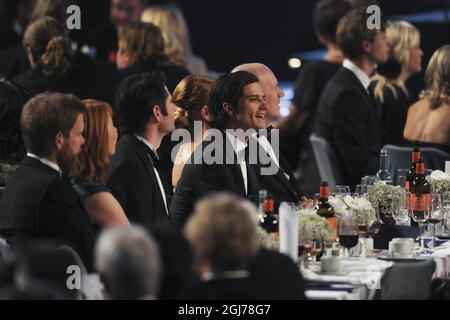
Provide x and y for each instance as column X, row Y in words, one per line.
column 135, row 99
column 12, row 100
column 327, row 15
column 228, row 88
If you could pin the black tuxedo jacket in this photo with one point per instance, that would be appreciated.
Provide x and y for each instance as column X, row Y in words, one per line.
column 133, row 182
column 199, row 180
column 282, row 183
column 39, row 204
column 348, row 119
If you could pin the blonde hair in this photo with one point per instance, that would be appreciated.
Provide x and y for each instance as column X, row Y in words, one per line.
column 190, row 95
column 170, row 20
column 222, row 233
column 437, row 77
column 144, row 41
column 403, row 36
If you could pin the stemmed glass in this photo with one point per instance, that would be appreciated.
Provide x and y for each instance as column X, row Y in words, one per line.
column 303, row 243
column 436, row 214
column 348, row 232
column 375, row 226
column 400, row 208
column 419, row 211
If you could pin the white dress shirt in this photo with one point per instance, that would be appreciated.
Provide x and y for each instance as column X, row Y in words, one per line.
column 161, row 188
column 361, row 75
column 46, row 162
column 239, row 149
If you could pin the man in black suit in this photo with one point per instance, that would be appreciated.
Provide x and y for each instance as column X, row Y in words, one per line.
column 146, row 114
column 347, row 115
column 236, row 104
column 282, row 184
column 39, row 201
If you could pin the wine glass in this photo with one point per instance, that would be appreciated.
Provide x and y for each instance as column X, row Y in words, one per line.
column 348, row 232
column 400, row 208
column 419, row 211
column 374, row 227
column 436, row 214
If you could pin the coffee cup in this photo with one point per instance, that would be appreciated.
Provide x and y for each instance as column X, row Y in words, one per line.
column 331, row 264
column 401, row 247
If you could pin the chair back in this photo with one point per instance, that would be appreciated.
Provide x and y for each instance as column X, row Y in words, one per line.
column 400, row 158
column 322, row 153
column 407, row 281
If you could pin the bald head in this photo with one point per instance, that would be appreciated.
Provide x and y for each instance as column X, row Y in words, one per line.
column 269, row 84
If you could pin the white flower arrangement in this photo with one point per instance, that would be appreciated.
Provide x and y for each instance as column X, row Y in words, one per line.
column 312, row 225
column 358, row 207
column 266, row 240
column 381, row 194
column 440, row 182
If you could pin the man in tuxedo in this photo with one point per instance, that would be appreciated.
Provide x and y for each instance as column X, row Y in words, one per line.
column 347, row 115
column 146, row 114
column 282, row 185
column 236, row 103
column 39, row 201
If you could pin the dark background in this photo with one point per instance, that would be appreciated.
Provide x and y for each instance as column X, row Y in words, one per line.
column 231, row 32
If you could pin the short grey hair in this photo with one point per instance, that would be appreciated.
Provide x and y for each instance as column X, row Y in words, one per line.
column 129, row 262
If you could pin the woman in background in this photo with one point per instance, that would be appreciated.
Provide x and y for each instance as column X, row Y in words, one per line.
column 91, row 165
column 428, row 119
column 191, row 97
column 405, row 60
column 57, row 67
column 177, row 41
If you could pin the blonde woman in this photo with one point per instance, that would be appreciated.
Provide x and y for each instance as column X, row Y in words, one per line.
column 428, row 119
column 177, row 42
column 390, row 90
column 191, row 98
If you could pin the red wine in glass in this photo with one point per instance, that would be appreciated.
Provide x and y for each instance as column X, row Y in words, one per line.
column 348, row 240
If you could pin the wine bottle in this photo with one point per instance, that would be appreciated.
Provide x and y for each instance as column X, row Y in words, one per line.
column 411, row 175
column 269, row 218
column 325, row 210
column 384, row 174
column 420, row 197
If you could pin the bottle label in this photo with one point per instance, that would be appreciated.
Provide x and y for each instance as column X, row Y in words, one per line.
column 415, row 156
column 419, row 203
column 420, row 168
column 324, row 192
column 407, row 185
column 332, row 222
column 269, row 205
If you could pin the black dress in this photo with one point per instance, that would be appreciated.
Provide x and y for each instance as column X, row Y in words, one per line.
column 86, row 188
column 394, row 111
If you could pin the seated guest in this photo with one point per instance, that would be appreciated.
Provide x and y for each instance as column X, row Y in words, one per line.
column 236, row 103
column 146, row 114
column 177, row 43
column 56, row 67
column 90, row 167
column 226, row 255
column 141, row 49
column 12, row 99
column 282, row 185
column 177, row 261
column 191, row 98
column 129, row 263
column 391, row 93
column 347, row 116
column 104, row 37
column 52, row 126
column 15, row 15
column 427, row 120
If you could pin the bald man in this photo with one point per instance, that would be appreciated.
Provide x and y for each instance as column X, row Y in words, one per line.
column 283, row 185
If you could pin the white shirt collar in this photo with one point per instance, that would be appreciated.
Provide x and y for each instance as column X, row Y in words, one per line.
column 47, row 162
column 238, row 145
column 147, row 143
column 236, row 274
column 361, row 75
